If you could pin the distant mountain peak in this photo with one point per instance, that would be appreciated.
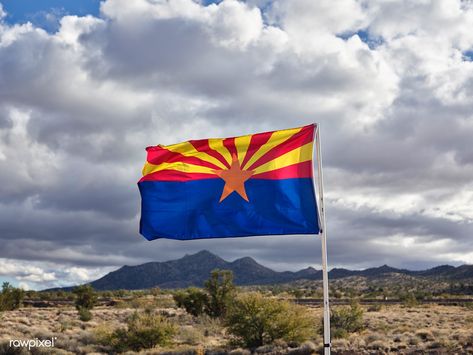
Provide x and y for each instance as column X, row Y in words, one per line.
column 201, row 255
column 246, row 260
column 194, row 269
column 386, row 267
column 205, row 252
column 445, row 267
column 308, row 272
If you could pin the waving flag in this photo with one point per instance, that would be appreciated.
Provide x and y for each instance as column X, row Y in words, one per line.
column 258, row 184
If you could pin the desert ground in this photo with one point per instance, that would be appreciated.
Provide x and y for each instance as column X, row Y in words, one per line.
column 389, row 329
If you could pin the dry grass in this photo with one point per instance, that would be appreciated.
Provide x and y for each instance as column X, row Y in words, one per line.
column 431, row 329
column 392, row 329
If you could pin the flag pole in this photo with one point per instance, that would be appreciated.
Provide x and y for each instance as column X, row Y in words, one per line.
column 323, row 234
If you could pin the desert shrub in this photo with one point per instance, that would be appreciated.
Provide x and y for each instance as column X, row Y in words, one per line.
column 45, row 296
column 468, row 305
column 10, row 298
column 297, row 293
column 164, row 302
column 85, row 297
column 307, row 348
column 85, row 301
column 84, row 314
column 425, row 334
column 138, row 302
column 119, row 293
column 338, row 333
column 376, row 307
column 345, row 320
column 438, row 344
column 155, row 291
column 214, row 301
column 408, row 300
column 193, row 300
column 120, row 304
column 221, row 290
column 377, row 345
column 102, row 333
column 63, row 325
column 190, row 335
column 422, row 295
column 336, row 294
column 106, row 294
column 209, row 326
column 374, row 337
column 6, row 349
column 144, row 331
column 255, row 320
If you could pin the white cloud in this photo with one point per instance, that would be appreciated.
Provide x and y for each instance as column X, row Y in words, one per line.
column 71, row 27
column 234, row 24
column 77, row 108
column 24, row 271
column 305, row 17
column 24, row 286
column 40, row 275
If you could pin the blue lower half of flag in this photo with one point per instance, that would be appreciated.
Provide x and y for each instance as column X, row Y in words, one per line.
column 191, row 209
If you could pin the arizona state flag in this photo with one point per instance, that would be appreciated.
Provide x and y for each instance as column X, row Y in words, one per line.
column 258, row 184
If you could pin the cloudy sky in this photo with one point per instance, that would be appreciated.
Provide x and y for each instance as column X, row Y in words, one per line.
column 85, row 87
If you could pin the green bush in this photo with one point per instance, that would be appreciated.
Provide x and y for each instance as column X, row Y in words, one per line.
column 255, row 320
column 408, row 300
column 193, row 300
column 85, row 301
column 84, row 314
column 221, row 291
column 144, row 331
column 297, row 293
column 85, row 297
column 214, row 301
column 11, row 298
column 344, row 320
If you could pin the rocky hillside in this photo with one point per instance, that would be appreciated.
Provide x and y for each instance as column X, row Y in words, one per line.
column 193, row 270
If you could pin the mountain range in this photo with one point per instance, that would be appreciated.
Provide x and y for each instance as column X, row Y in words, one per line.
column 193, row 270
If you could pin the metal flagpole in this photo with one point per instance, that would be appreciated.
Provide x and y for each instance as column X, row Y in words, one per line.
column 323, row 235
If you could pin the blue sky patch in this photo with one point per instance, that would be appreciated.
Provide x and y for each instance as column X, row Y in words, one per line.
column 47, row 13
column 208, row 2
column 468, row 56
column 365, row 36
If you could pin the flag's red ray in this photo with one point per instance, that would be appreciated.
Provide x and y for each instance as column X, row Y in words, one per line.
column 202, row 145
column 301, row 138
column 158, row 155
column 257, row 140
column 229, row 143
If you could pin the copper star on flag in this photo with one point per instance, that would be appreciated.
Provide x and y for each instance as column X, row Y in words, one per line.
column 234, row 179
